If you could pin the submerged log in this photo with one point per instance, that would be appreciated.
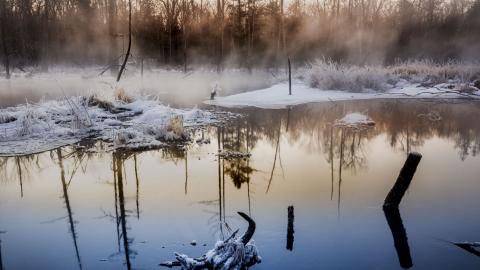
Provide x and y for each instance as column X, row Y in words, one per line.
column 397, row 192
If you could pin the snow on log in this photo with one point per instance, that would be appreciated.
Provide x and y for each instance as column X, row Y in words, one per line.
column 355, row 120
column 231, row 254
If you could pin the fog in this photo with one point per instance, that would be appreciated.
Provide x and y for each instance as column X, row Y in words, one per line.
column 181, row 49
column 171, row 87
column 236, row 34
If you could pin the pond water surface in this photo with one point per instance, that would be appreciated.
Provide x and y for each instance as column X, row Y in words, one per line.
column 73, row 208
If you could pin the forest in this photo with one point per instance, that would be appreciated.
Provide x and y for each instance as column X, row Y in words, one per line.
column 182, row 34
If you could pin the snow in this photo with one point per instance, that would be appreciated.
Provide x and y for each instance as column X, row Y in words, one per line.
column 231, row 254
column 276, row 96
column 355, row 119
column 143, row 123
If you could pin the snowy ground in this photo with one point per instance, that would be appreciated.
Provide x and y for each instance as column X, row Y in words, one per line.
column 277, row 97
column 143, row 123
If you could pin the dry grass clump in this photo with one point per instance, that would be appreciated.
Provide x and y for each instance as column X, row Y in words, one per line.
column 26, row 122
column 94, row 100
column 430, row 73
column 329, row 75
column 121, row 95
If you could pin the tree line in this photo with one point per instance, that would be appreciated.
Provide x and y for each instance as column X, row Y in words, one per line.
column 235, row 33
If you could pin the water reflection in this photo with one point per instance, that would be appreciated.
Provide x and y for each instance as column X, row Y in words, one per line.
column 118, row 162
column 406, row 125
column 71, row 222
column 399, row 234
column 1, row 260
column 222, row 186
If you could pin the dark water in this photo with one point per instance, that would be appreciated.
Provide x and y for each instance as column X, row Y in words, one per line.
column 72, row 209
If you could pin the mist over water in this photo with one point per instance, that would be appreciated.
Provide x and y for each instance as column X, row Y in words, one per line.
column 171, row 87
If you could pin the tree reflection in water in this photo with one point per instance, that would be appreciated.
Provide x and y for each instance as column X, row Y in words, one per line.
column 71, row 221
column 406, row 126
column 118, row 166
column 1, row 259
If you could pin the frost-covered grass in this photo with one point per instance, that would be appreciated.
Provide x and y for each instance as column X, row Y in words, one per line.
column 421, row 70
column 140, row 123
column 329, row 75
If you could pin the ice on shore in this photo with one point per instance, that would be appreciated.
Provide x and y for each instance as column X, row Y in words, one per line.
column 143, row 123
column 277, row 97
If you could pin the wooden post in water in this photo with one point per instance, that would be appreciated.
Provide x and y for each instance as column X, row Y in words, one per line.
column 289, row 77
column 290, row 229
column 395, row 195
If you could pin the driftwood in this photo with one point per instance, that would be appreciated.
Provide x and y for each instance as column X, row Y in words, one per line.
column 230, row 254
column 397, row 192
column 473, row 248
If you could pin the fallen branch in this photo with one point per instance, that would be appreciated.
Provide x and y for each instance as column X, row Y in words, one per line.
column 473, row 248
column 231, row 254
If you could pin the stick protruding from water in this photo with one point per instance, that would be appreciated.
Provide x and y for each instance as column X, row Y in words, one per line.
column 289, row 77
column 397, row 192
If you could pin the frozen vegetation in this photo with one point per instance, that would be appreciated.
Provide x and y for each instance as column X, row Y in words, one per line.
column 330, row 75
column 122, row 123
column 329, row 81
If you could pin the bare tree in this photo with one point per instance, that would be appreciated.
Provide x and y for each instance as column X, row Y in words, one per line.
column 122, row 68
column 112, row 34
column 3, row 28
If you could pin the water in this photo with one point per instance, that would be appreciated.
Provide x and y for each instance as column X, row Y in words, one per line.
column 74, row 209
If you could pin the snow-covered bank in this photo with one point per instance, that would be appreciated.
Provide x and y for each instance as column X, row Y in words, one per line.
column 143, row 123
column 277, row 97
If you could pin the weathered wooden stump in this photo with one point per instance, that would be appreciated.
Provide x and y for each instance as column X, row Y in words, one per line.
column 290, row 230
column 397, row 192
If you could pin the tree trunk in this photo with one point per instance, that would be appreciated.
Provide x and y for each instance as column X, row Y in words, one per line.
column 112, row 33
column 184, row 9
column 3, row 28
column 122, row 68
column 46, row 36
